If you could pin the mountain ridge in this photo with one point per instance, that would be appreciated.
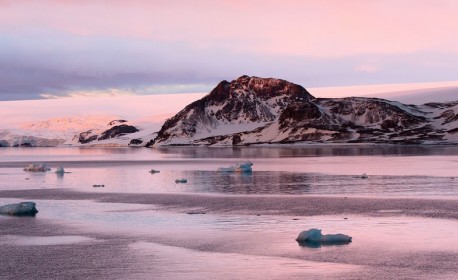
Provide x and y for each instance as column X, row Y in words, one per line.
column 268, row 110
column 245, row 111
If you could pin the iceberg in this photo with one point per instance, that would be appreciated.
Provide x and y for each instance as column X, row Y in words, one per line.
column 244, row 167
column 61, row 170
column 19, row 209
column 37, row 167
column 314, row 238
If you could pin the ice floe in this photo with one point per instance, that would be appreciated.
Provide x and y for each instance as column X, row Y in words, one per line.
column 37, row 167
column 244, row 167
column 19, row 209
column 314, row 238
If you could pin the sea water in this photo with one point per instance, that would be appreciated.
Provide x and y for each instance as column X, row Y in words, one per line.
column 148, row 241
column 392, row 171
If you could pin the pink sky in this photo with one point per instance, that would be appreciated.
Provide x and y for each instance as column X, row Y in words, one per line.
column 142, row 47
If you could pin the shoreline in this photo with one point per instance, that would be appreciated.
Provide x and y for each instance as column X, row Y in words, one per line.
column 258, row 205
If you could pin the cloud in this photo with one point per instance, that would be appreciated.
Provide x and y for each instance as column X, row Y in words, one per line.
column 366, row 68
column 58, row 48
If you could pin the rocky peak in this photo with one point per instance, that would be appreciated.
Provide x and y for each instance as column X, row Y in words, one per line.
column 246, row 100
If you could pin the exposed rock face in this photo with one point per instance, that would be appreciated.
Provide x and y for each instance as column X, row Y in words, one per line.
column 135, row 142
column 252, row 110
column 117, row 131
column 113, row 132
column 86, row 137
column 115, row 122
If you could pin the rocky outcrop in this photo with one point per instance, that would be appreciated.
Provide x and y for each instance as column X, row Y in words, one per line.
column 91, row 136
column 115, row 122
column 252, row 110
column 118, row 130
column 135, row 142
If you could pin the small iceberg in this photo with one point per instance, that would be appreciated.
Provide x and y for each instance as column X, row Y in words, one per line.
column 19, row 209
column 61, row 170
column 244, row 167
column 152, row 171
column 181, row 181
column 314, row 238
column 37, row 167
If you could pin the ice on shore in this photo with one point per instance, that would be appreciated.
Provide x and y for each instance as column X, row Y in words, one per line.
column 19, row 209
column 313, row 237
column 37, row 167
column 244, row 167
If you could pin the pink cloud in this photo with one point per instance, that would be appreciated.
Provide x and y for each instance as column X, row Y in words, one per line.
column 309, row 28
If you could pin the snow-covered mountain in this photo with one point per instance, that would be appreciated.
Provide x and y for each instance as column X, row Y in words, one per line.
column 71, row 131
column 72, row 122
column 252, row 110
column 248, row 110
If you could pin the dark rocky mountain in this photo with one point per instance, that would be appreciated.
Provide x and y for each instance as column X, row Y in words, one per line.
column 112, row 132
column 252, row 110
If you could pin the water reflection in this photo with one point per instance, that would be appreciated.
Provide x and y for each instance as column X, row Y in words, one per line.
column 254, row 183
column 307, row 151
column 315, row 244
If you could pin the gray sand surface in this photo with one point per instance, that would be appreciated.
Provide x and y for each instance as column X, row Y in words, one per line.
column 109, row 255
column 263, row 205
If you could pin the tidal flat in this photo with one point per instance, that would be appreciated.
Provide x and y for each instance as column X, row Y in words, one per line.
column 403, row 222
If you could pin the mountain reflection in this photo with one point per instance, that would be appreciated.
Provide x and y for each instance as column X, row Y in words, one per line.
column 255, row 183
column 307, row 151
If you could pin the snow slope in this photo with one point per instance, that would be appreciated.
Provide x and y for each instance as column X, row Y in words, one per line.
column 55, row 122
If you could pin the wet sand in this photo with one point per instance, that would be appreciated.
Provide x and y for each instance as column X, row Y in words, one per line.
column 47, row 248
column 261, row 204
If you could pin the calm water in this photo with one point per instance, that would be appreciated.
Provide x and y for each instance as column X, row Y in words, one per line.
column 146, row 241
column 392, row 170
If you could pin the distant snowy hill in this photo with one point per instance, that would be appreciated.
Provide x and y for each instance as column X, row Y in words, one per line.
column 252, row 110
column 422, row 96
column 248, row 110
column 99, row 121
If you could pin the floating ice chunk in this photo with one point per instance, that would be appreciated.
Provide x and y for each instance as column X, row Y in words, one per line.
column 238, row 167
column 152, row 171
column 37, row 167
column 181, row 181
column 314, row 238
column 61, row 170
column 19, row 209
